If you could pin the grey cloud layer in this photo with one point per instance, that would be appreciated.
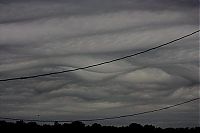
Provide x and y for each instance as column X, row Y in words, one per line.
column 42, row 36
column 44, row 8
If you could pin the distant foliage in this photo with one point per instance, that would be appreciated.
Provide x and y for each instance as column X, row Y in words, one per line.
column 79, row 126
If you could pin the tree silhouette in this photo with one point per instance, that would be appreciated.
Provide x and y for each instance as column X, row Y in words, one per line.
column 80, row 126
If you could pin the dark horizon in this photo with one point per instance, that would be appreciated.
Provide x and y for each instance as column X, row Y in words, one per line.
column 80, row 126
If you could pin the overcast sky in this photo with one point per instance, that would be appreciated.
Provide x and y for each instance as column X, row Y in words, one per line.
column 41, row 36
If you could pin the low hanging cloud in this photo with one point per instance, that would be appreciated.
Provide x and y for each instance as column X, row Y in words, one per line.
column 40, row 36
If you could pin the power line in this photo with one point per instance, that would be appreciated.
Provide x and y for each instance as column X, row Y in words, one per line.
column 106, row 118
column 99, row 64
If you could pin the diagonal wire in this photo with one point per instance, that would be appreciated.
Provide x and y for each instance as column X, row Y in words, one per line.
column 102, row 63
column 105, row 118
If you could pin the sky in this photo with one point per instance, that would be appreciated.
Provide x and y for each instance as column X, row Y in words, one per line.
column 42, row 36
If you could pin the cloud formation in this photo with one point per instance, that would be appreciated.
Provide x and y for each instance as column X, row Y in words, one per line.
column 40, row 36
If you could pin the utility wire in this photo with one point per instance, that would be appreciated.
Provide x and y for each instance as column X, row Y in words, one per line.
column 102, row 63
column 106, row 118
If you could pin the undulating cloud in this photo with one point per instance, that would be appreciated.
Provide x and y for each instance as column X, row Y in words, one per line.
column 42, row 36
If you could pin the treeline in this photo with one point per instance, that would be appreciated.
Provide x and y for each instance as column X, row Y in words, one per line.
column 79, row 126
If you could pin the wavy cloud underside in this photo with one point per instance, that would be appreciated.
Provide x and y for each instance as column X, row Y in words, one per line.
column 40, row 36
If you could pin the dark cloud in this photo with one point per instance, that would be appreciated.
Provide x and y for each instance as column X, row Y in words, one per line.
column 39, row 9
column 43, row 36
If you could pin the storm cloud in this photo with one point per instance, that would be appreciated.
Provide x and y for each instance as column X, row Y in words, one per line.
column 42, row 36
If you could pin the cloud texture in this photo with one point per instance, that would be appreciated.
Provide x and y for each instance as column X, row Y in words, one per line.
column 41, row 36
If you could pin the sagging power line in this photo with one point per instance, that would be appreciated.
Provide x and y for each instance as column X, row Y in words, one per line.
column 99, row 64
column 105, row 118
